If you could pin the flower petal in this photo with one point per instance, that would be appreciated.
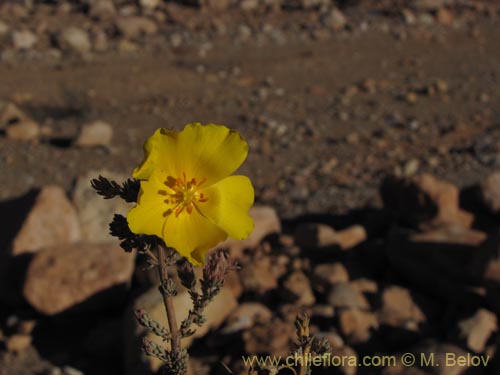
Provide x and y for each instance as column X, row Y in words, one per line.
column 160, row 151
column 210, row 151
column 227, row 205
column 192, row 235
column 147, row 217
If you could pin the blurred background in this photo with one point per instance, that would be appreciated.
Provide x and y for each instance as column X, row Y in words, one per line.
column 374, row 133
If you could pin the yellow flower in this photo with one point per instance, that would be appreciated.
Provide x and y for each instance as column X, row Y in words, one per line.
column 188, row 196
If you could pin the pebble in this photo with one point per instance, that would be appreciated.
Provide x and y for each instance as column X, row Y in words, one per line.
column 245, row 316
column 135, row 26
column 478, row 328
column 424, row 201
column 346, row 295
column 314, row 236
column 356, row 325
column 26, row 130
column 149, row 4
column 490, row 192
column 326, row 275
column 97, row 133
column 298, row 286
column 18, row 343
column 4, row 28
column 23, row 39
column 102, row 9
column 75, row 39
column 335, row 20
column 399, row 310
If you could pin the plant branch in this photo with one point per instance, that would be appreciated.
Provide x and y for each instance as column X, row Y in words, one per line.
column 167, row 293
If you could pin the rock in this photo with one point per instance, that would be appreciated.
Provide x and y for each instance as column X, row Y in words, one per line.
column 444, row 17
column 10, row 114
column 152, row 302
column 335, row 20
column 18, row 343
column 424, row 201
column 102, row 9
column 328, row 274
column 313, row 236
column 399, row 310
column 149, row 5
column 26, row 130
column 266, row 222
column 322, row 311
column 365, row 285
column 346, row 295
column 97, row 133
column 452, row 234
column 478, row 329
column 217, row 4
column 334, row 339
column 273, row 337
column 447, row 270
column 261, row 275
column 63, row 277
column 357, row 325
column 134, row 27
column 249, row 5
column 297, row 285
column 490, row 192
column 23, row 39
column 52, row 220
column 4, row 28
column 428, row 5
column 75, row 39
column 351, row 237
column 94, row 212
column 246, row 316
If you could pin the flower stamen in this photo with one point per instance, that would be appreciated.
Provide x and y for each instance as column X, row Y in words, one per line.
column 183, row 194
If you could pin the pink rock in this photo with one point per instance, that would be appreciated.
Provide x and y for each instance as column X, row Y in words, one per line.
column 63, row 276
column 52, row 220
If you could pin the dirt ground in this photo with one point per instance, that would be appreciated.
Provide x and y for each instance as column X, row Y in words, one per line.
column 325, row 119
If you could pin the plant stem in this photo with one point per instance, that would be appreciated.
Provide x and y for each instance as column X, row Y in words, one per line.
column 168, row 300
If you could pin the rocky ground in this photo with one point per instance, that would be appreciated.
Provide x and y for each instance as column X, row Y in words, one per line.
column 374, row 134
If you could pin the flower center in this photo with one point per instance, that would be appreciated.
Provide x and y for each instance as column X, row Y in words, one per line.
column 182, row 194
